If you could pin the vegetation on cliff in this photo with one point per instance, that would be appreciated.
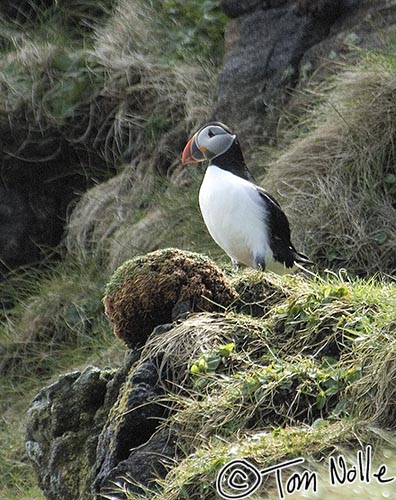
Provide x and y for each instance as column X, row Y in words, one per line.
column 337, row 178
column 299, row 366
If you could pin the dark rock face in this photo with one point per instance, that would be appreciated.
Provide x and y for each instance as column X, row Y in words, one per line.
column 274, row 46
column 262, row 57
column 38, row 183
column 92, row 429
column 236, row 8
column 29, row 221
column 145, row 462
column 132, row 423
column 62, row 432
column 16, row 221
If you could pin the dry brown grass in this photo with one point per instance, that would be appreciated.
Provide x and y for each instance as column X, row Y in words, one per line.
column 151, row 105
column 122, row 103
column 337, row 179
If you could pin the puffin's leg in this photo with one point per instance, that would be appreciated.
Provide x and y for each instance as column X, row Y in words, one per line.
column 259, row 262
column 235, row 264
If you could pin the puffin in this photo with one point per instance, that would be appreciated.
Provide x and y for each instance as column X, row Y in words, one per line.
column 242, row 218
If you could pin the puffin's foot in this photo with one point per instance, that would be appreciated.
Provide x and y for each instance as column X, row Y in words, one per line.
column 235, row 265
column 259, row 263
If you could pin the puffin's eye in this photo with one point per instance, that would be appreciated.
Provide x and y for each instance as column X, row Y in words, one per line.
column 211, row 133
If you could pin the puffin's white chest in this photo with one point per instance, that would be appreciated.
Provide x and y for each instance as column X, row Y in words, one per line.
column 235, row 216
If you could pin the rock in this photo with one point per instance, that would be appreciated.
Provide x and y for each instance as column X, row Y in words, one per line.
column 236, row 8
column 274, row 46
column 29, row 220
column 62, row 433
column 147, row 463
column 262, row 54
column 17, row 228
column 93, row 428
column 156, row 288
column 325, row 9
column 360, row 25
column 128, row 434
column 34, row 197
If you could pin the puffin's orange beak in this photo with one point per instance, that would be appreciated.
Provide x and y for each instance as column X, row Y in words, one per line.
column 191, row 152
column 187, row 156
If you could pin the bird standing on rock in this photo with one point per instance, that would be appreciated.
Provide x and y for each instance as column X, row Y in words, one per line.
column 242, row 218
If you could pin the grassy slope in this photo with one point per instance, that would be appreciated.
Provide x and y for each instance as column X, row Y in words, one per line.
column 311, row 377
column 54, row 321
column 337, row 177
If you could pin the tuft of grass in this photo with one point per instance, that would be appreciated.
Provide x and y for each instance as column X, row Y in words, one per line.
column 97, row 107
column 336, row 180
column 139, row 211
column 60, row 312
column 179, row 30
column 196, row 28
column 18, row 480
column 148, row 104
column 194, row 477
column 66, row 23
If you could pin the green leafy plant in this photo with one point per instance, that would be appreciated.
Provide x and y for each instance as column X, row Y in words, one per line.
column 196, row 27
column 210, row 361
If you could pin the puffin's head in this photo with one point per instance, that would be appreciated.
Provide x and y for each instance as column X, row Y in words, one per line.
column 210, row 141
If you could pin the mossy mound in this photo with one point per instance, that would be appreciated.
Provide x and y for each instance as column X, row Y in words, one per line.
column 150, row 290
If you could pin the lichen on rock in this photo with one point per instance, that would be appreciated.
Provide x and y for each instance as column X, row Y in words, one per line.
column 93, row 429
column 62, row 432
column 153, row 289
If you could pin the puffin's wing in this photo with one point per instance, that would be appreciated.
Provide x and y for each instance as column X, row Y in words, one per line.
column 280, row 242
column 281, row 245
column 279, row 225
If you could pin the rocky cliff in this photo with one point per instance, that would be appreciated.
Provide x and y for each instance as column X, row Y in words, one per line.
column 274, row 47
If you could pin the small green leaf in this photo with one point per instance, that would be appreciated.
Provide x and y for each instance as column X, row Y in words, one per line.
column 390, row 178
column 194, row 369
column 212, row 362
column 321, row 400
column 332, row 390
column 381, row 237
column 202, row 365
column 226, row 350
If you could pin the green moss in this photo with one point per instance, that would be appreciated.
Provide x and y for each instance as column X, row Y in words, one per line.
column 152, row 262
column 195, row 28
column 74, row 467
